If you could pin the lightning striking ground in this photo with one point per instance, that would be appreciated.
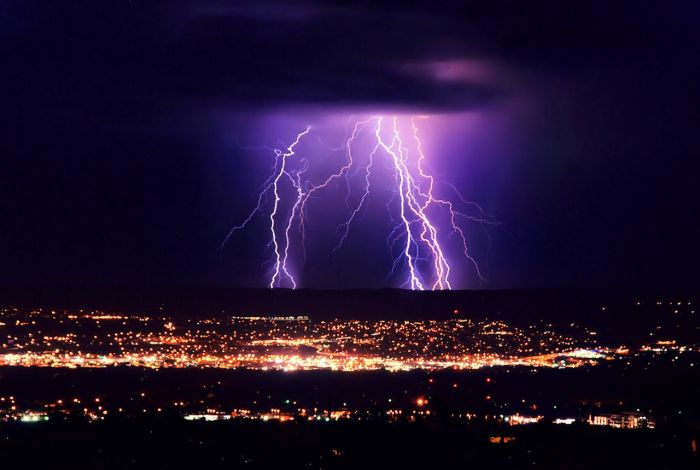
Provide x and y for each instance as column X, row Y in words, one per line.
column 424, row 219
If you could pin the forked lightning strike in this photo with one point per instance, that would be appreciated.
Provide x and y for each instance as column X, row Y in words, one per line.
column 419, row 209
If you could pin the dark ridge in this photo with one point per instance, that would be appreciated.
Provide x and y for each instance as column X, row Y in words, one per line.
column 558, row 305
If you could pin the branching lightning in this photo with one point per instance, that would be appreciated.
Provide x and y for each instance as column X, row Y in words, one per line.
column 422, row 220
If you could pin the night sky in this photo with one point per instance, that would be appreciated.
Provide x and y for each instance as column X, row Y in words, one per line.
column 133, row 134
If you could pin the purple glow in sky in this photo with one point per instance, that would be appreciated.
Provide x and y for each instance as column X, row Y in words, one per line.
column 381, row 158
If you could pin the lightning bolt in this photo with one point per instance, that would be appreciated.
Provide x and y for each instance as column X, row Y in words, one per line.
column 342, row 172
column 430, row 199
column 413, row 192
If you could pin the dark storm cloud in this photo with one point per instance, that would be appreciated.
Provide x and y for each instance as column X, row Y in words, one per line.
column 114, row 55
column 117, row 56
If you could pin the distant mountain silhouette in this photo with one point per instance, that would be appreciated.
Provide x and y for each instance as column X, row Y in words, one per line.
column 517, row 306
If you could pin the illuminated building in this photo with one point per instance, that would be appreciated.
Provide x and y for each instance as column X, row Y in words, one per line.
column 627, row 420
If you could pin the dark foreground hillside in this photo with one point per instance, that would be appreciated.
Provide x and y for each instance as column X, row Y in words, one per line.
column 164, row 444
